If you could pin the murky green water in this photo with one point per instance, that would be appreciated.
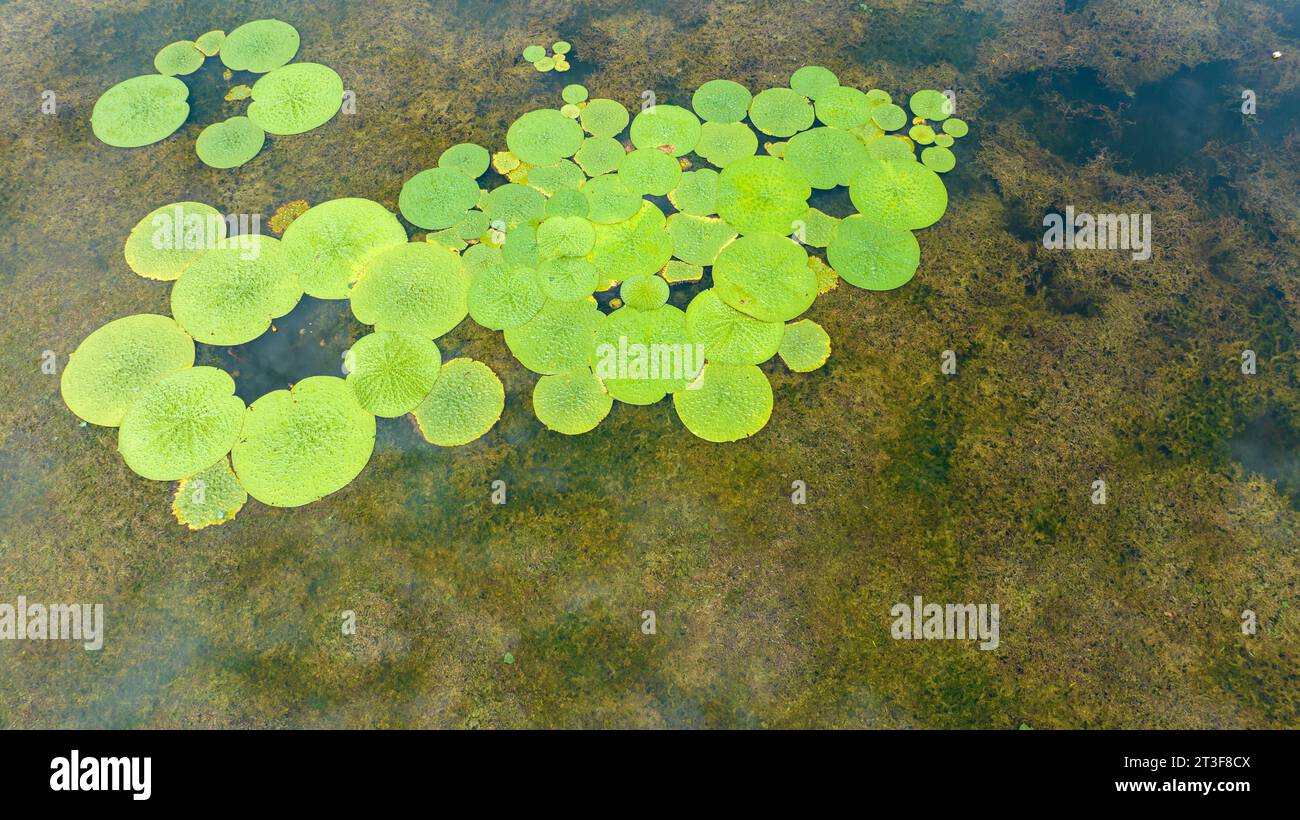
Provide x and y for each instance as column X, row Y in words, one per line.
column 1073, row 367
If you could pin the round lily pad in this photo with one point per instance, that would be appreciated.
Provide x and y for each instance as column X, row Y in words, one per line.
column 180, row 57
column 813, row 81
column 296, row 98
column 229, row 144
column 901, row 193
column 696, row 192
column 230, row 294
column 604, row 118
column 114, row 365
column 890, row 146
column 512, row 205
column 534, row 53
column 766, row 276
column 437, row 198
column 599, row 155
column 889, row 116
column 805, row 346
column 780, row 112
column 558, row 176
column 300, row 445
column 724, row 143
column 818, row 228
column 955, row 127
column 561, row 47
column 504, row 296
column 557, row 338
column 210, row 498
column 844, row 107
column 466, row 400
column 466, row 157
column 669, row 126
column 168, row 239
column 826, row 157
column 611, row 200
column 209, row 43
column 571, row 403
column 729, row 402
column 543, row 137
column 636, row 245
column 181, row 424
column 419, row 288
column 650, row 171
column 565, row 236
column 140, row 111
column 727, row 334
column 762, row 194
column 938, row 159
column 644, row 292
column 873, row 255
column 921, row 134
column 698, row 239
column 391, row 373
column 334, row 240
column 931, row 104
column 721, row 101
column 944, row 140
column 259, row 46
column 574, row 93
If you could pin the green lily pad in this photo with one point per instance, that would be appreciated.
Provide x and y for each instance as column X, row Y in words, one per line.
column 611, row 200
column 780, row 112
column 209, row 43
column 670, row 126
column 230, row 294
column 931, row 104
column 762, row 194
column 650, row 171
column 558, row 176
column 168, row 239
column 334, row 240
column 259, row 46
column 574, row 93
column 210, row 498
column 296, row 98
column 643, row 355
column 900, row 193
column 765, row 276
column 514, row 205
column 568, row 203
column 391, row 373
column 955, row 127
column 419, row 288
column 805, row 346
column 698, row 239
column 938, row 159
column 812, row 81
column 636, row 245
column 543, row 137
column 721, row 101
column 678, row 271
column 571, row 403
column 567, row 279
column 873, row 255
column 140, row 111
column 466, row 400
column 180, row 57
column 534, row 53
column 437, row 198
column 604, row 118
column 644, row 292
column 728, row 335
column 729, row 402
column 300, row 445
column 599, row 155
column 724, row 143
column 181, row 424
column 467, row 158
column 505, row 296
column 565, row 236
column 113, row 366
column 844, row 107
column 557, row 338
column 229, row 144
column 696, row 192
column 889, row 116
column 826, row 157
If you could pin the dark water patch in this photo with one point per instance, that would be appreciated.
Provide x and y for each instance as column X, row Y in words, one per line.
column 1269, row 444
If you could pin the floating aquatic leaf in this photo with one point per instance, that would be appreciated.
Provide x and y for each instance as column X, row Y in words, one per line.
column 334, row 240
column 210, row 498
column 901, row 193
column 780, row 112
column 698, row 239
column 391, row 373
column 467, row 158
column 260, row 46
column 812, row 81
column 643, row 355
column 571, row 111
column 230, row 294
column 650, row 171
column 938, row 159
column 599, row 155
column 545, row 64
column 568, row 203
column 180, row 57
column 844, row 107
column 731, row 402
column 827, row 278
column 677, row 271
column 113, row 366
column 473, row 226
column 931, row 104
column 762, row 194
column 181, row 424
column 721, row 101
column 766, row 276
column 611, row 200
column 727, row 334
column 466, row 400
column 513, row 205
column 604, row 118
column 559, row 176
column 892, row 147
column 696, row 192
column 670, row 126
column 574, row 93
column 557, row 338
column 209, row 43
column 168, row 239
column 571, row 403
column 818, row 228
column 644, row 291
column 565, row 236
column 140, row 111
column 561, row 64
column 805, row 346
column 296, row 98
column 229, row 144
column 534, row 53
column 889, row 116
column 636, row 245
column 567, row 279
column 437, row 198
column 826, row 157
column 300, row 445
column 723, row 143
column 560, row 47
column 955, row 127
column 419, row 288
column 238, row 92
column 543, row 137
column 520, row 247
column 921, row 135
column 873, row 255
column 944, row 140
column 504, row 295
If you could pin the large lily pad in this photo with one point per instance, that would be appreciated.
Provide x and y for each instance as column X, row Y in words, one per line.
column 333, row 241
column 113, row 366
column 140, row 111
column 295, row 98
column 419, row 288
column 182, row 424
column 728, row 403
column 466, row 400
column 230, row 294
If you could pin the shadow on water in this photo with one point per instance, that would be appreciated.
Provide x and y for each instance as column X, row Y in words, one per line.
column 1270, row 445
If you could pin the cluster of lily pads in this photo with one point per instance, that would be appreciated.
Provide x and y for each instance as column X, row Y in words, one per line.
column 557, row 60
column 582, row 211
column 289, row 99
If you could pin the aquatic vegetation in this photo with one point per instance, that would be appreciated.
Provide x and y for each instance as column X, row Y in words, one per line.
column 181, row 57
column 526, row 258
column 140, row 111
column 286, row 214
column 259, row 46
column 238, row 92
column 302, row 444
column 210, row 498
column 229, row 144
column 557, row 60
column 209, row 43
